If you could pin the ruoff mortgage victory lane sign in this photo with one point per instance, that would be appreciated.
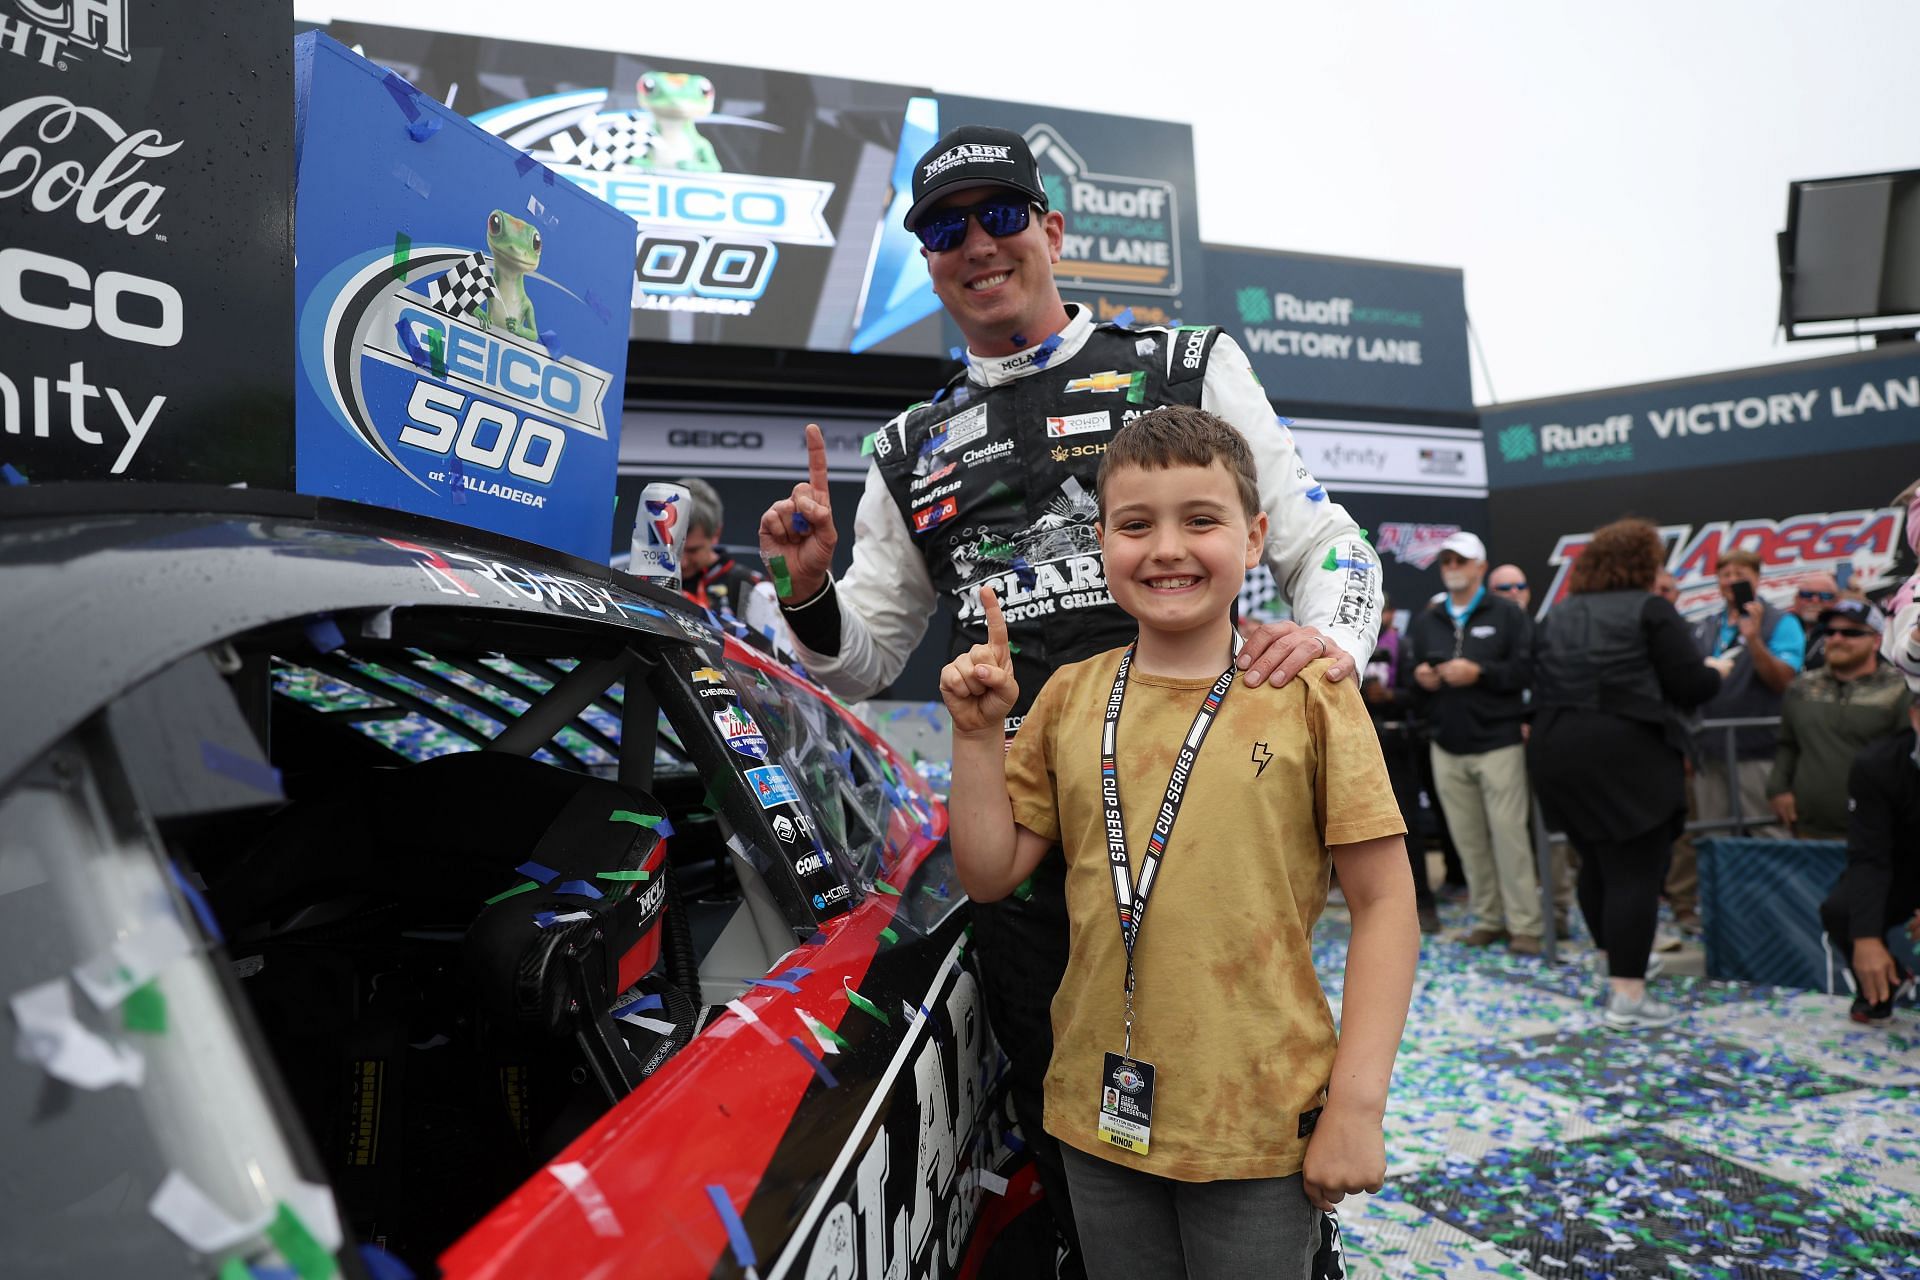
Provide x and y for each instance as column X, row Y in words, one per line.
column 462, row 337
column 145, row 242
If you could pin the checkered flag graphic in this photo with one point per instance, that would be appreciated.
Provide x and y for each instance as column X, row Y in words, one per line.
column 1258, row 592
column 465, row 288
column 603, row 143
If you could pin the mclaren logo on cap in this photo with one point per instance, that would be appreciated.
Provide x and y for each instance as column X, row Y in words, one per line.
column 966, row 153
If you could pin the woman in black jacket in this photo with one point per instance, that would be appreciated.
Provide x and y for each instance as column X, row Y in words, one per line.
column 1612, row 663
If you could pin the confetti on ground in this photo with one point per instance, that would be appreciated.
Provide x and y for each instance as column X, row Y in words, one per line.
column 1763, row 1135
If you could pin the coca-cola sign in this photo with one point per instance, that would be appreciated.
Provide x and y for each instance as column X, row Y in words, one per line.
column 146, row 242
column 32, row 169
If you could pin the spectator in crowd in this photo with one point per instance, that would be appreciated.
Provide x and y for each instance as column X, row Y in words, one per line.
column 1471, row 656
column 1757, row 649
column 1881, row 885
column 1387, row 704
column 1510, row 583
column 1817, row 592
column 1828, row 716
column 714, row 580
column 1683, row 871
column 1613, row 661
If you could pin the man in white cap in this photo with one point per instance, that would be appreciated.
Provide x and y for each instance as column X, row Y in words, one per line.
column 1471, row 658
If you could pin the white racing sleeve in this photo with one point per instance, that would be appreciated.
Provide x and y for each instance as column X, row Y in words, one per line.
column 1304, row 532
column 886, row 600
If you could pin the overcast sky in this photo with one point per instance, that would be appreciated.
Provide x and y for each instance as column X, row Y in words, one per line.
column 1609, row 177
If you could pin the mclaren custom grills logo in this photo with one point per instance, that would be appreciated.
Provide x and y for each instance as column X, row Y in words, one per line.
column 448, row 337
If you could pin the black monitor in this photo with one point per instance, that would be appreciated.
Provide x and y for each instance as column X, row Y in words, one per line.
column 1851, row 253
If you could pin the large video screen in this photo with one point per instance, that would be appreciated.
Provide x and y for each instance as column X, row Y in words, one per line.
column 759, row 195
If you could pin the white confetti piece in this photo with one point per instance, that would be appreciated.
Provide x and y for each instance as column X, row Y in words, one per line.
column 52, row 1036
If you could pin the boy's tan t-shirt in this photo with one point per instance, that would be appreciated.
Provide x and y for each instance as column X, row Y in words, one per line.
column 1227, row 1006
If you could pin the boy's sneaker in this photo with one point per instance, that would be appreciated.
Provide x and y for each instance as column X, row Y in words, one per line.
column 1655, row 965
column 1872, row 1015
column 1624, row 1015
column 1429, row 919
column 1483, row 937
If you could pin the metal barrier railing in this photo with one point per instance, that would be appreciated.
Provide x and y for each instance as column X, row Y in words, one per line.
column 1548, row 867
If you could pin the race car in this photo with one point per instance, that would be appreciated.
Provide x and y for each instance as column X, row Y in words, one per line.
column 384, row 897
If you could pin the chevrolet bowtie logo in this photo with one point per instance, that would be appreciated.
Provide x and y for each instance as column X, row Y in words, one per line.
column 1108, row 381
column 1261, row 757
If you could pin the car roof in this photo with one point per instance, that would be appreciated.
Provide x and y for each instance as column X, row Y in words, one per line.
column 103, row 585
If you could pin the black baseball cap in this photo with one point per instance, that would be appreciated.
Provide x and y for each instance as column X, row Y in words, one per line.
column 974, row 155
column 1860, row 611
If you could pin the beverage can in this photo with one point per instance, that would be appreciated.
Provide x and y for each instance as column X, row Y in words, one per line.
column 659, row 533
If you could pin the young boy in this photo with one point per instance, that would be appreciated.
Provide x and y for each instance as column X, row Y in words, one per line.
column 1205, row 1110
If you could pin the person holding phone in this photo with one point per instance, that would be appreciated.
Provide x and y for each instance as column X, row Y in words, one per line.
column 1758, row 650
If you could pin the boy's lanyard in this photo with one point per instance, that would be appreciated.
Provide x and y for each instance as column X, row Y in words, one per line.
column 1132, row 902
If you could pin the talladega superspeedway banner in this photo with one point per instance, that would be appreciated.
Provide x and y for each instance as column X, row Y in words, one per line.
column 458, row 354
column 1798, row 463
column 759, row 195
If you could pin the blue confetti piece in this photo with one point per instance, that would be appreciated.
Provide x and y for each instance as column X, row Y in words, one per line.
column 736, row 1230
column 12, row 475
column 813, row 1060
column 1353, row 564
column 1025, row 572
column 1013, row 1141
column 796, row 972
column 261, row 1271
column 955, row 353
column 648, row 610
column 663, row 829
column 404, row 94
column 382, row 1265
column 457, row 483
column 641, row 1004
column 550, row 339
column 1019, row 339
column 423, row 128
column 535, row 871
column 818, row 939
column 197, row 900
column 324, row 635
column 1283, row 420
column 579, row 888
column 523, row 164
column 780, row 984
column 939, row 395
column 800, row 524
column 1317, row 494
column 1045, row 353
column 1125, row 317
column 599, row 306
column 544, row 919
column 410, row 343
column 257, row 774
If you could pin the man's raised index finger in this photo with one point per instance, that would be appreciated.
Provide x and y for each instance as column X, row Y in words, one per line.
column 817, row 462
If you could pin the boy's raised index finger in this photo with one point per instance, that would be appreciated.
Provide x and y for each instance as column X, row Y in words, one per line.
column 996, row 621
column 817, row 461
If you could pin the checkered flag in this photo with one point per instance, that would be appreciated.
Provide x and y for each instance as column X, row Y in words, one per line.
column 603, row 143
column 465, row 288
column 1258, row 591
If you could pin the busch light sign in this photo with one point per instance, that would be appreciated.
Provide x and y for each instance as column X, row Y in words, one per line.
column 461, row 340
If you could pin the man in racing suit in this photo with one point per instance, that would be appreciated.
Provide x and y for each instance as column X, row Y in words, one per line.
column 739, row 596
column 992, row 482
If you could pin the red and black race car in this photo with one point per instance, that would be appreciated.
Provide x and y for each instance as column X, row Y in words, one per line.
column 380, row 897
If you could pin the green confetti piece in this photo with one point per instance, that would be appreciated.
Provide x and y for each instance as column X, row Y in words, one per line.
column 867, row 1006
column 890, row 935
column 437, row 350
column 886, row 767
column 1012, row 647
column 234, row 1269
column 514, row 892
column 883, row 887
column 716, row 792
column 647, row 820
column 914, row 756
column 1137, row 389
column 866, row 444
column 306, row 1255
column 145, row 1009
column 782, row 580
column 1332, row 561
column 622, row 875
column 1781, row 1215
column 402, row 250
column 1024, row 890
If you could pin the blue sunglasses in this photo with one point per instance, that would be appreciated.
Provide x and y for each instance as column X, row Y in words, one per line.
column 1000, row 218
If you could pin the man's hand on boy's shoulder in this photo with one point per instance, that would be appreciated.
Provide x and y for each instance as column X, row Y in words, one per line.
column 1347, row 1154
column 1275, row 652
column 978, row 686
